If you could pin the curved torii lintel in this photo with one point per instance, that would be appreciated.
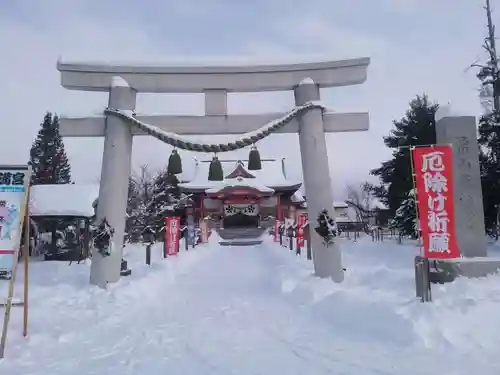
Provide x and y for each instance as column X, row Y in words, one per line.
column 200, row 78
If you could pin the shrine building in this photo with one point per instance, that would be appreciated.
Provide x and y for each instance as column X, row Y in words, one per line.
column 240, row 197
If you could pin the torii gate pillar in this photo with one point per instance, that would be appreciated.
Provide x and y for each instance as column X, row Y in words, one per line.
column 317, row 183
column 113, row 189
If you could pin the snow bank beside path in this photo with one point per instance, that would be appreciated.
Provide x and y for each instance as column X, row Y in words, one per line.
column 66, row 310
column 376, row 301
column 255, row 310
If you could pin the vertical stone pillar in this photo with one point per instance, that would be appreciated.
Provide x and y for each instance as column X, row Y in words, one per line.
column 113, row 190
column 318, row 187
column 460, row 131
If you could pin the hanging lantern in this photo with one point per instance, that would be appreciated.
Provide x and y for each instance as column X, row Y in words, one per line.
column 254, row 162
column 174, row 163
column 215, row 172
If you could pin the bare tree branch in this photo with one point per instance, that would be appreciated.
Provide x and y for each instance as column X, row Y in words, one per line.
column 361, row 196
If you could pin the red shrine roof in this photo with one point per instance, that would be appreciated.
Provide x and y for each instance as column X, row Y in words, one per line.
column 271, row 178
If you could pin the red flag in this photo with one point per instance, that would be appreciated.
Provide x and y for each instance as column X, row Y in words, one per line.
column 172, row 232
column 434, row 182
column 300, row 230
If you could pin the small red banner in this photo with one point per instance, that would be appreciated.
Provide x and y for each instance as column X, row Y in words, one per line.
column 172, row 232
column 433, row 173
column 300, row 230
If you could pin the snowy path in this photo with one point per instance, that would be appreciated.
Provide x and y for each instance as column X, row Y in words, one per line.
column 225, row 311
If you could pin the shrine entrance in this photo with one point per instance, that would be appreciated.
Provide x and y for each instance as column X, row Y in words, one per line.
column 241, row 216
column 240, row 204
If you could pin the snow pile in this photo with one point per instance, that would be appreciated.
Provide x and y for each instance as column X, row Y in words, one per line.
column 255, row 310
column 455, row 334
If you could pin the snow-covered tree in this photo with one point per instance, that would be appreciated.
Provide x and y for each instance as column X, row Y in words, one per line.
column 489, row 127
column 134, row 220
column 139, row 198
column 405, row 219
column 165, row 199
column 361, row 197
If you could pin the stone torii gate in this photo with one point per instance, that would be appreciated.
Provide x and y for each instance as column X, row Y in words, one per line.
column 119, row 124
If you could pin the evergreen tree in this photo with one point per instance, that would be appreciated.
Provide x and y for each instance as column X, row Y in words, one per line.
column 417, row 127
column 164, row 202
column 47, row 155
column 405, row 219
column 489, row 161
column 489, row 129
column 135, row 219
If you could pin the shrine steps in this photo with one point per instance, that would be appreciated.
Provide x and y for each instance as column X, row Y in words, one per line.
column 240, row 236
column 240, row 242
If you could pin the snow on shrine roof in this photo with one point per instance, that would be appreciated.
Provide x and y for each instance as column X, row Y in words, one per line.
column 239, row 182
column 63, row 200
column 272, row 175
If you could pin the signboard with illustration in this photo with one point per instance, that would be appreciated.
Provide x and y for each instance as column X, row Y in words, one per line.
column 13, row 182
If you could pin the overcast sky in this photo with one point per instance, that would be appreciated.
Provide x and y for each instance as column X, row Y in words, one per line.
column 416, row 46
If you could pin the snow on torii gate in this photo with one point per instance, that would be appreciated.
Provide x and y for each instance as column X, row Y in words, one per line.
column 118, row 126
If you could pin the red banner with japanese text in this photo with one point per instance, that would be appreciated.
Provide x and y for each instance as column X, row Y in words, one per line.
column 300, row 230
column 172, row 234
column 434, row 183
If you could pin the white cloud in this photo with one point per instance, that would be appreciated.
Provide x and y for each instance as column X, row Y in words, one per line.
column 429, row 55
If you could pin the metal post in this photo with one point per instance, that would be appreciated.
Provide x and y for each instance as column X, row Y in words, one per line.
column 414, row 183
column 148, row 254
column 426, row 284
column 422, row 282
column 418, row 276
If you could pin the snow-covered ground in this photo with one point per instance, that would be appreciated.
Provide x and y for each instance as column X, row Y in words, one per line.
column 255, row 310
